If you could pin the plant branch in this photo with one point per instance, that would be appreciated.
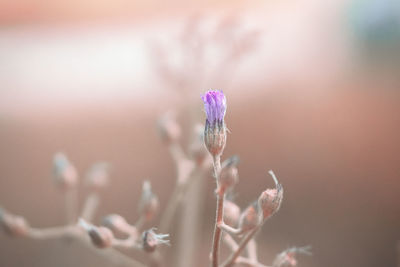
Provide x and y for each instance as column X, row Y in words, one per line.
column 219, row 214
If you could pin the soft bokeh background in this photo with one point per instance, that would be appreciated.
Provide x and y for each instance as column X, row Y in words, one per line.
column 313, row 93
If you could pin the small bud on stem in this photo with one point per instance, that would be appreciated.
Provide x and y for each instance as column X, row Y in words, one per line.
column 229, row 176
column 249, row 218
column 98, row 176
column 270, row 200
column 151, row 240
column 215, row 129
column 13, row 225
column 231, row 213
column 149, row 204
column 65, row 174
column 101, row 237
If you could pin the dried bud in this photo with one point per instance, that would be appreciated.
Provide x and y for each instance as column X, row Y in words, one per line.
column 197, row 151
column 149, row 204
column 231, row 213
column 168, row 128
column 151, row 240
column 229, row 176
column 117, row 223
column 13, row 225
column 270, row 200
column 215, row 129
column 101, row 237
column 288, row 257
column 249, row 218
column 98, row 175
column 65, row 174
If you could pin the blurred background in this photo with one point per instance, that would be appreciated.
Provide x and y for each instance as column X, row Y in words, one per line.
column 312, row 90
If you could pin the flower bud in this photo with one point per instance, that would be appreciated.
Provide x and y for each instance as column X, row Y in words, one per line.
column 215, row 129
column 13, row 225
column 168, row 128
column 249, row 218
column 229, row 176
column 101, row 237
column 288, row 257
column 231, row 213
column 149, row 204
column 151, row 240
column 65, row 174
column 98, row 175
column 270, row 200
column 197, row 151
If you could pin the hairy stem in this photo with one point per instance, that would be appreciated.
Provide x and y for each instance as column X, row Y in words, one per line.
column 219, row 214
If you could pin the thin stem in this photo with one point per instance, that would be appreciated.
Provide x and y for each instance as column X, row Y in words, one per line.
column 232, row 258
column 252, row 250
column 50, row 233
column 219, row 214
column 249, row 262
column 176, row 198
column 90, row 206
column 71, row 202
column 229, row 229
column 190, row 220
column 140, row 222
column 76, row 232
column 230, row 242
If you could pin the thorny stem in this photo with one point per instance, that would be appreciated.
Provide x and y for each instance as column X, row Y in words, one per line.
column 232, row 258
column 219, row 214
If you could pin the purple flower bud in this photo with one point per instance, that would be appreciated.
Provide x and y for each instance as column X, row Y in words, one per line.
column 215, row 106
column 215, row 130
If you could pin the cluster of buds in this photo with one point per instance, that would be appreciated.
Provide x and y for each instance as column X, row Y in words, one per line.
column 151, row 240
column 13, row 225
column 168, row 128
column 287, row 258
column 149, row 204
column 101, row 237
column 65, row 174
column 257, row 212
column 98, row 176
column 215, row 129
